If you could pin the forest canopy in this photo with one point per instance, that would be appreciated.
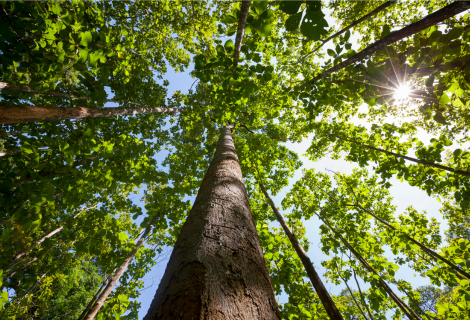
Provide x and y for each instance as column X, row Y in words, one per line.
column 105, row 172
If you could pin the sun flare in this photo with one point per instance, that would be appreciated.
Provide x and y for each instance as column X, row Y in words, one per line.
column 402, row 92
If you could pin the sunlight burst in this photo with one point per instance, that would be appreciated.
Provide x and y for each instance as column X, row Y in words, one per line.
column 402, row 92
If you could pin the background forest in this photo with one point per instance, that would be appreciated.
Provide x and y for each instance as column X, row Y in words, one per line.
column 103, row 149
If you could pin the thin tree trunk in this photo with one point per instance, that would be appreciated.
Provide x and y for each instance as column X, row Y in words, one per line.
column 352, row 295
column 97, row 294
column 9, row 152
column 429, row 164
column 217, row 268
column 109, row 287
column 323, row 294
column 31, row 289
column 244, row 10
column 448, row 11
column 355, row 23
column 423, row 247
column 429, row 251
column 50, row 234
column 412, row 300
column 13, row 87
column 361, row 294
column 19, row 114
column 402, row 305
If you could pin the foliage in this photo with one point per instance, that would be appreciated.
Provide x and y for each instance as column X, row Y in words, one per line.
column 80, row 176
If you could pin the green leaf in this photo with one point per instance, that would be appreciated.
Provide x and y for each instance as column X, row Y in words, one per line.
column 290, row 7
column 229, row 46
column 263, row 27
column 82, row 55
column 228, row 19
column 439, row 118
column 259, row 6
column 122, row 237
column 313, row 25
column 85, row 38
column 444, row 99
column 293, row 22
column 93, row 60
column 331, row 53
column 385, row 31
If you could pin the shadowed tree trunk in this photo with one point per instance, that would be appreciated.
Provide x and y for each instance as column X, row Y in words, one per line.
column 217, row 268
column 19, row 114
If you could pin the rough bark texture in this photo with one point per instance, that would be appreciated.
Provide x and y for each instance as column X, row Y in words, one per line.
column 19, row 114
column 448, row 11
column 244, row 10
column 217, row 268
column 323, row 294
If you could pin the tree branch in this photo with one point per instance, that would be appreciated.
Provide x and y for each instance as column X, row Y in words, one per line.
column 428, row 21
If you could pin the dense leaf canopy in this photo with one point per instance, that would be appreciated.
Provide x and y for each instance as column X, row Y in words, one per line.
column 68, row 218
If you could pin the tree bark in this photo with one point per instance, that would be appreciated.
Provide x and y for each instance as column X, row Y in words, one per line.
column 448, row 11
column 429, row 164
column 244, row 10
column 323, row 294
column 19, row 114
column 217, row 268
column 109, row 287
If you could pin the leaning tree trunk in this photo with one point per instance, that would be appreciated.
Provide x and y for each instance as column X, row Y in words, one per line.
column 217, row 268
column 323, row 294
column 19, row 114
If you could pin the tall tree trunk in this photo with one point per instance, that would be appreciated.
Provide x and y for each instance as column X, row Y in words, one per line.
column 217, row 268
column 19, row 114
column 109, row 287
column 440, row 15
column 323, row 294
